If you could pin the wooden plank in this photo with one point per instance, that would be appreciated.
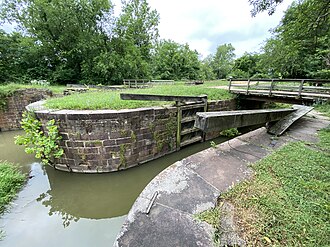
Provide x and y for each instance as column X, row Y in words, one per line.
column 178, row 131
column 154, row 97
column 188, row 131
column 283, row 124
column 192, row 140
column 218, row 121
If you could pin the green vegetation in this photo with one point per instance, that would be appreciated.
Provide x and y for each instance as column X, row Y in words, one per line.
column 286, row 203
column 94, row 46
column 111, row 99
column 11, row 180
column 12, row 87
column 212, row 217
column 323, row 108
column 230, row 132
column 44, row 145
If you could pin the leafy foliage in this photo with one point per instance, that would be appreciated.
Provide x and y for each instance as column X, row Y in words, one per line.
column 230, row 132
column 174, row 61
column 300, row 46
column 223, row 60
column 11, row 180
column 44, row 145
column 264, row 5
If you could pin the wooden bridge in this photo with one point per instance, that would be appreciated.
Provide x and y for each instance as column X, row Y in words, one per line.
column 296, row 91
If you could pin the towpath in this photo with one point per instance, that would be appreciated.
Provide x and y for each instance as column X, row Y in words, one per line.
column 163, row 214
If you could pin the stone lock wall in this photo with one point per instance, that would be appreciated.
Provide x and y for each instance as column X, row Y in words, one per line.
column 11, row 112
column 108, row 140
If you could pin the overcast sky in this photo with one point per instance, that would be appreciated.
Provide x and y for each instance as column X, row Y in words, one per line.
column 205, row 25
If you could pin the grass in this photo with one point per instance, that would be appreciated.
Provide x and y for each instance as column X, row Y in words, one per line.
column 287, row 202
column 8, row 90
column 12, row 87
column 323, row 108
column 11, row 180
column 111, row 99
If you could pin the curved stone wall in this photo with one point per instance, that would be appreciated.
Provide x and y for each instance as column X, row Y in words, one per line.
column 11, row 112
column 109, row 140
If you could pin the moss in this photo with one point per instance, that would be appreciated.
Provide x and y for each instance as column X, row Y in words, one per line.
column 124, row 133
column 122, row 156
column 5, row 93
column 171, row 127
column 133, row 136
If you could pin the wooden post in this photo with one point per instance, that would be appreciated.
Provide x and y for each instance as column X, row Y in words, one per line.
column 179, row 118
column 229, row 84
column 271, row 87
column 248, row 87
column 301, row 88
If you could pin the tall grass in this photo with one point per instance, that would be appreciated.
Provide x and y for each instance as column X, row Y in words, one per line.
column 11, row 180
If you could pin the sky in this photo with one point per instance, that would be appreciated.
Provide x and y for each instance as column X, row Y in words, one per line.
column 206, row 24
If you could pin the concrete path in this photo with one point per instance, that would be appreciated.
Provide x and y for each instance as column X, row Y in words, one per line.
column 194, row 184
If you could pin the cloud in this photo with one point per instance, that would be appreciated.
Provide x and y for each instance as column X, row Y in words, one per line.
column 206, row 24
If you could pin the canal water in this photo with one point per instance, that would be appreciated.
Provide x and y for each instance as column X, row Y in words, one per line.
column 65, row 209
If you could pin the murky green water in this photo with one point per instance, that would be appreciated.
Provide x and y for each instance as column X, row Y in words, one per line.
column 64, row 209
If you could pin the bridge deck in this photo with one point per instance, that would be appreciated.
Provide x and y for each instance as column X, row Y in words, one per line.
column 304, row 90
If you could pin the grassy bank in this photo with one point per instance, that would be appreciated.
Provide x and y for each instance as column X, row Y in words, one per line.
column 9, row 89
column 11, row 180
column 287, row 201
column 111, row 99
column 323, row 108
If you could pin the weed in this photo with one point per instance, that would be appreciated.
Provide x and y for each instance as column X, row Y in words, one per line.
column 122, row 156
column 212, row 217
column 133, row 136
column 44, row 145
column 230, row 132
column 213, row 144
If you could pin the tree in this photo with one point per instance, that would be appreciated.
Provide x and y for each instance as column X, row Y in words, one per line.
column 223, row 60
column 175, row 61
column 206, row 71
column 129, row 52
column 264, row 5
column 68, row 32
column 300, row 46
column 138, row 24
column 247, row 66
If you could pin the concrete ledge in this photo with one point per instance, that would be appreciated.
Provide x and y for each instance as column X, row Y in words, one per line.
column 194, row 184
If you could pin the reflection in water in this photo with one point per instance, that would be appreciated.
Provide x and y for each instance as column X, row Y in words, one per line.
column 82, row 209
column 99, row 196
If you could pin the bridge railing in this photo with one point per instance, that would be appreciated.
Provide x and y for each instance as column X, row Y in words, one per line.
column 142, row 83
column 297, row 88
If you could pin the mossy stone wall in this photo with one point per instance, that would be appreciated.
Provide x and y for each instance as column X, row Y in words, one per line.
column 14, row 105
